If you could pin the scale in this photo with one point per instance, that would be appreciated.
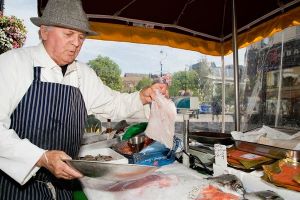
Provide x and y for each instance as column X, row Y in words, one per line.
column 199, row 146
column 202, row 158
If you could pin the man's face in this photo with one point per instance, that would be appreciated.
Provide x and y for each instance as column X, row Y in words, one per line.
column 62, row 44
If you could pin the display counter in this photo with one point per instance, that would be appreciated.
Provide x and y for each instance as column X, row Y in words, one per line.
column 252, row 182
column 175, row 181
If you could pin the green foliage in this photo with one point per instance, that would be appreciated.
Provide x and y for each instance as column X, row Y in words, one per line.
column 202, row 68
column 196, row 80
column 12, row 33
column 205, row 84
column 184, row 80
column 145, row 82
column 108, row 71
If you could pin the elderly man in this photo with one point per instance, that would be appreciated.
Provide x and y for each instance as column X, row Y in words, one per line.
column 45, row 98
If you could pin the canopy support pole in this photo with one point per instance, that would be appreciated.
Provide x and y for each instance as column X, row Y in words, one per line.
column 235, row 68
column 278, row 104
column 223, row 89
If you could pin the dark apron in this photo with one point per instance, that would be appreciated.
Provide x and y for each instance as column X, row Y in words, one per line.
column 51, row 116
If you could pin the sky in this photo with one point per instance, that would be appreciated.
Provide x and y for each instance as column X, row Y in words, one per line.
column 131, row 58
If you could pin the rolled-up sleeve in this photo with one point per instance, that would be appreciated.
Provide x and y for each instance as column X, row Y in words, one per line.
column 108, row 103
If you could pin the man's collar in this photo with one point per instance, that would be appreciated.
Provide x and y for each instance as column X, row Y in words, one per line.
column 42, row 59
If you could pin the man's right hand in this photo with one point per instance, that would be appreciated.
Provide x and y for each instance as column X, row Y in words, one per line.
column 53, row 161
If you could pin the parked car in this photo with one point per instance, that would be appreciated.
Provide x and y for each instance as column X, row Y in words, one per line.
column 205, row 108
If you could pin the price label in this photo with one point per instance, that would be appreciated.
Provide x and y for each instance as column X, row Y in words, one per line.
column 220, row 155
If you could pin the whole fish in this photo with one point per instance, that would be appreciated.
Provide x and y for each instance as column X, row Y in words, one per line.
column 230, row 182
column 262, row 195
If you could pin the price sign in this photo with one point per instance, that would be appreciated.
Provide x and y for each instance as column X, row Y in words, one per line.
column 220, row 155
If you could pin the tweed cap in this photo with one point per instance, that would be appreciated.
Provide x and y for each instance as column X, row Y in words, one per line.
column 66, row 14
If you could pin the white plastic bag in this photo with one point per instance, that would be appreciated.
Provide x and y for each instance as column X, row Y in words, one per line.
column 174, row 181
column 161, row 125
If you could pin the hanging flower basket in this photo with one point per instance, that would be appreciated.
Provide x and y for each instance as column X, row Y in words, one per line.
column 12, row 33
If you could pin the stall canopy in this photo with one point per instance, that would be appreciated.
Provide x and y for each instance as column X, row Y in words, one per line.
column 211, row 27
column 198, row 25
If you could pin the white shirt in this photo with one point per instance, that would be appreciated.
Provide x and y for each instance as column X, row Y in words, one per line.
column 19, row 156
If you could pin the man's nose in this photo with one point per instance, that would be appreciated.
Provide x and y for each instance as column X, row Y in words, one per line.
column 76, row 41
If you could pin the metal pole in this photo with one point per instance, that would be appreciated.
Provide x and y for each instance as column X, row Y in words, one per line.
column 235, row 68
column 278, row 105
column 223, row 89
column 160, row 68
column 163, row 57
column 186, row 118
column 185, row 155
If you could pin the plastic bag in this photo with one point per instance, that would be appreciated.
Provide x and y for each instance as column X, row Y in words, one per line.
column 174, row 181
column 156, row 154
column 161, row 125
column 141, row 188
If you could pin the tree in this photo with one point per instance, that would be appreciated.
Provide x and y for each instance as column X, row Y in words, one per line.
column 108, row 71
column 205, row 85
column 184, row 80
column 143, row 83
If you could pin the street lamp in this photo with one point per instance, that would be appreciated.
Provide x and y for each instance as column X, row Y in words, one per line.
column 163, row 57
column 1, row 6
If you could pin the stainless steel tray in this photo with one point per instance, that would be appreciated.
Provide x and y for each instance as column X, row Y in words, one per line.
column 90, row 138
column 268, row 151
column 211, row 137
column 110, row 171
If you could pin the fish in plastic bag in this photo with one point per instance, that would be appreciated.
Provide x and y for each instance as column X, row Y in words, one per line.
column 212, row 192
column 161, row 125
column 158, row 180
column 140, row 188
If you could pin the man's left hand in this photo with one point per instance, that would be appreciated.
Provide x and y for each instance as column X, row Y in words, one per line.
column 148, row 94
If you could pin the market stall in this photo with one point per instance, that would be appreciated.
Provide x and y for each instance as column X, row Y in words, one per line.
column 178, row 179
column 213, row 28
column 184, row 24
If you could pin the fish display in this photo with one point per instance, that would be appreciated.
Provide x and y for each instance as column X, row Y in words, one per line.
column 262, row 195
column 228, row 181
column 245, row 160
column 211, row 192
column 283, row 173
column 159, row 180
column 138, row 184
column 98, row 157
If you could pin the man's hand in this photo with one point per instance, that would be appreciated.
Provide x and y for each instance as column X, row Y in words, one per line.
column 53, row 161
column 148, row 94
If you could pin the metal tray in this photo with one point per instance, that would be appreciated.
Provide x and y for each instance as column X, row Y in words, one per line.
column 110, row 171
column 211, row 137
column 90, row 138
column 268, row 151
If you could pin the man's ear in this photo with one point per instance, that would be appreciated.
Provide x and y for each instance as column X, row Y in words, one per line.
column 43, row 32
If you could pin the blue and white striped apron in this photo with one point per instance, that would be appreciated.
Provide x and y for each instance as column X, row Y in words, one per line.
column 51, row 116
